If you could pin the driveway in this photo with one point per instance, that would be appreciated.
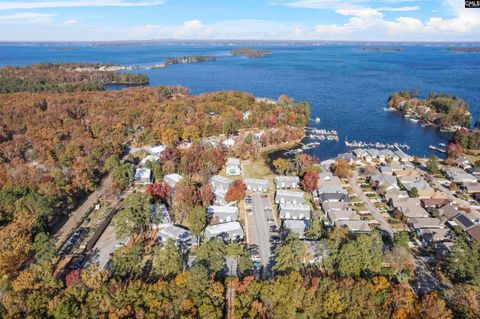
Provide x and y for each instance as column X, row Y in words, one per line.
column 258, row 227
column 384, row 225
column 106, row 244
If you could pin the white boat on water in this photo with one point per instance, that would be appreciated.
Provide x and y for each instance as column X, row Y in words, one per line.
column 414, row 120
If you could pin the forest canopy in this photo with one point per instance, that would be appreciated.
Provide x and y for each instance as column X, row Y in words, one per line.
column 62, row 77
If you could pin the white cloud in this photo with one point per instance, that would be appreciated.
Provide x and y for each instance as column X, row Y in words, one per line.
column 11, row 5
column 399, row 9
column 29, row 17
column 70, row 22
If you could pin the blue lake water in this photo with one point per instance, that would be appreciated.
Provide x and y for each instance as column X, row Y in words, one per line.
column 346, row 87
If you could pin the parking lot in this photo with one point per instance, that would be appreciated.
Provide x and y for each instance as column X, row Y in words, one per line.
column 260, row 221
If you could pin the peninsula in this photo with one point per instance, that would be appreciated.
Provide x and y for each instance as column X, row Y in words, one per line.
column 63, row 77
column 381, row 49
column 447, row 112
column 464, row 50
column 251, row 53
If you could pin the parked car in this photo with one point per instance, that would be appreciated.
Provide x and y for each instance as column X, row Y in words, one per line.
column 273, row 228
column 275, row 239
column 270, row 220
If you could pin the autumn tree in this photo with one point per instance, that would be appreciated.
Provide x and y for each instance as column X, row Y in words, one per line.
column 205, row 194
column 310, row 181
column 160, row 192
column 236, row 191
column 169, row 137
column 282, row 165
column 342, row 169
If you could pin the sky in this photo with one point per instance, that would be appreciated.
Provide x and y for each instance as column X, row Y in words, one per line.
column 362, row 20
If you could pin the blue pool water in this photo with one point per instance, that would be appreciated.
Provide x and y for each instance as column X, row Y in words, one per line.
column 345, row 86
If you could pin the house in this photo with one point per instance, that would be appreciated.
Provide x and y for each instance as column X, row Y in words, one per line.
column 143, row 176
column 355, row 226
column 334, row 206
column 149, row 158
column 475, row 171
column 472, row 188
column 462, row 221
column 374, row 153
column 233, row 167
column 349, row 158
column 256, row 185
column 394, row 193
column 359, row 152
column 448, row 211
column 219, row 197
column 220, row 182
column 295, row 226
column 423, row 189
column 223, row 214
column 434, row 202
column 231, row 231
column 294, row 211
column 402, row 156
column 341, row 215
column 459, row 176
column 330, row 188
column 292, row 197
column 172, row 179
column 462, row 162
column 410, row 207
column 178, row 234
column 287, row 182
column 388, row 155
column 406, row 171
column 333, row 197
column 156, row 150
column 159, row 216
column 384, row 182
column 427, row 222
column 474, row 232
column 432, row 236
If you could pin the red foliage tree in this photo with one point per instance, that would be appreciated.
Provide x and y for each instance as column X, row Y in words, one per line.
column 73, row 278
column 236, row 191
column 159, row 191
column 170, row 154
column 305, row 160
column 310, row 181
column 205, row 194
column 454, row 150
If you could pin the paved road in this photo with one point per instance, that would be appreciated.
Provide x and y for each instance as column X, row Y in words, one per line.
column 384, row 225
column 61, row 235
column 259, row 228
column 106, row 244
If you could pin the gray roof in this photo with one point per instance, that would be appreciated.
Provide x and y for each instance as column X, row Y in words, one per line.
column 286, row 180
column 427, row 222
column 296, row 226
column 254, row 182
column 289, row 196
column 229, row 230
column 334, row 197
column 294, row 211
column 172, row 179
column 463, row 221
column 174, row 232
column 218, row 181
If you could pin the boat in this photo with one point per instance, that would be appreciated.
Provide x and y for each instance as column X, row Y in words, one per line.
column 442, row 144
column 317, row 120
column 413, row 120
